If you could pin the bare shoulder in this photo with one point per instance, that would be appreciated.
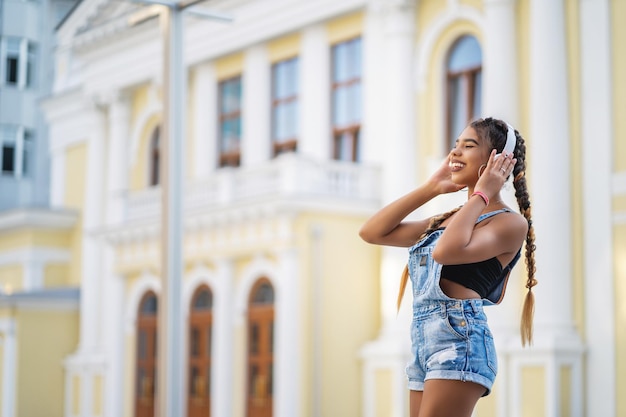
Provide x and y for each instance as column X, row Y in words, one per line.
column 510, row 223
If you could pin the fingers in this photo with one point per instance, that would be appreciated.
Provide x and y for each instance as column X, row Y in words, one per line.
column 502, row 164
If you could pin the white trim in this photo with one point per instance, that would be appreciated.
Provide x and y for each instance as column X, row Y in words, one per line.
column 33, row 217
column 147, row 282
column 599, row 275
column 258, row 268
column 432, row 35
column 153, row 108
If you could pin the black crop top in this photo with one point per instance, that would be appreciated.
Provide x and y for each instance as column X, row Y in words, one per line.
column 477, row 276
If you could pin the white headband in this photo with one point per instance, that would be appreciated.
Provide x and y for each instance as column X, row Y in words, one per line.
column 511, row 140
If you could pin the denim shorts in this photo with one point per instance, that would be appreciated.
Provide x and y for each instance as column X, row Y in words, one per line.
column 451, row 340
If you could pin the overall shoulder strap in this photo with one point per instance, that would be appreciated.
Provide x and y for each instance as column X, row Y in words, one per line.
column 491, row 214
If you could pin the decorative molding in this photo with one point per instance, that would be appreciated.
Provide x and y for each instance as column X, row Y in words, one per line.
column 432, row 34
column 58, row 219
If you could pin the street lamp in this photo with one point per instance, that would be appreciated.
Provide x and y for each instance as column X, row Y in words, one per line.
column 170, row 355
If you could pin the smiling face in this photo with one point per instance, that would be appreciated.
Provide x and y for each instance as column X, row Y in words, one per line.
column 468, row 155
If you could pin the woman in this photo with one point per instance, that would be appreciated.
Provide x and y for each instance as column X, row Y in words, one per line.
column 458, row 262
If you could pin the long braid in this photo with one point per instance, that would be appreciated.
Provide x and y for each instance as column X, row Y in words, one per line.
column 495, row 131
column 521, row 193
column 433, row 225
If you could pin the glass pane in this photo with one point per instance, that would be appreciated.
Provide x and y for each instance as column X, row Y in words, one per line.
column 458, row 107
column 203, row 300
column 343, row 146
column 148, row 306
column 30, row 64
column 27, row 147
column 465, row 54
column 340, row 107
column 193, row 378
column 264, row 294
column 230, row 96
column 354, row 98
column 355, row 58
column 340, row 62
column 8, row 158
column 230, row 132
column 12, row 70
column 477, row 100
column 271, row 336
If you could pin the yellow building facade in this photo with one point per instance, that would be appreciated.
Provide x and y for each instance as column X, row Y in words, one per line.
column 301, row 119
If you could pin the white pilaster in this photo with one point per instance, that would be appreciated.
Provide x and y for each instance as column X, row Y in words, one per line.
column 391, row 143
column 399, row 154
column 205, row 121
column 596, row 136
column 57, row 177
column 500, row 100
column 9, row 367
column 118, row 162
column 287, row 371
column 118, row 166
column 255, row 146
column 550, row 173
column 315, row 135
column 500, row 82
column 221, row 371
column 91, row 269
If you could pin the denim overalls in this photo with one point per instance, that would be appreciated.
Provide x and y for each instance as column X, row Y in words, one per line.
column 450, row 337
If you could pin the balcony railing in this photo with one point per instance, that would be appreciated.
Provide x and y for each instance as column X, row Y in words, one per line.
column 289, row 175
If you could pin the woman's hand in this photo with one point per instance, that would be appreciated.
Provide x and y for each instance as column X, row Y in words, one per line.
column 495, row 174
column 441, row 180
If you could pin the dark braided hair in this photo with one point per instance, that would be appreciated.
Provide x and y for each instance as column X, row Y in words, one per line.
column 495, row 131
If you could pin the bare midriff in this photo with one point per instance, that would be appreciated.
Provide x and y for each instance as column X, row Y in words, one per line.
column 458, row 291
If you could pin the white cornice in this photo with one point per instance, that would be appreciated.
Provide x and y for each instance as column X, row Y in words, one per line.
column 38, row 218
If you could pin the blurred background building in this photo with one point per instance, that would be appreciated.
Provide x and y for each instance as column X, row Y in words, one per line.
column 302, row 119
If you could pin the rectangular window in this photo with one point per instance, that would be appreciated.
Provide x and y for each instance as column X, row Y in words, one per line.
column 230, row 122
column 346, row 99
column 285, row 106
column 17, row 62
column 15, row 150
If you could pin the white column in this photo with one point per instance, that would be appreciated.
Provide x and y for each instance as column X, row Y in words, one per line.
column 287, row 371
column 222, row 369
column 314, row 140
column 9, row 367
column 118, row 166
column 255, row 147
column 399, row 155
column 596, row 136
column 500, row 83
column 391, row 142
column 500, row 100
column 91, row 269
column 205, row 121
column 550, row 163
column 550, row 174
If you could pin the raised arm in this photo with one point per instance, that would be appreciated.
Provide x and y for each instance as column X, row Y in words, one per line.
column 387, row 226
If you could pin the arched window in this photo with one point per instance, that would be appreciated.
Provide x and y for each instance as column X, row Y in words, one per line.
column 200, row 325
column 464, row 82
column 260, row 349
column 155, row 156
column 146, row 356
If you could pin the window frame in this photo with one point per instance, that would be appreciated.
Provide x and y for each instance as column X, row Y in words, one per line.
column 350, row 131
column 470, row 76
column 26, row 62
column 229, row 158
column 289, row 144
column 22, row 149
column 200, row 319
column 154, row 157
